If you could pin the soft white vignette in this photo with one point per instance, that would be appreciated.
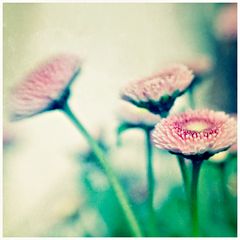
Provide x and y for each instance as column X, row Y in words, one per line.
column 118, row 43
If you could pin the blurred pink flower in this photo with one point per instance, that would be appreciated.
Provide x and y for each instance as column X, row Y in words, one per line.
column 8, row 137
column 200, row 65
column 45, row 88
column 196, row 134
column 137, row 116
column 226, row 22
column 224, row 156
column 158, row 92
column 233, row 148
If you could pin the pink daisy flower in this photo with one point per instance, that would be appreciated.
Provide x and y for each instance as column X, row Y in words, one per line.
column 226, row 22
column 46, row 88
column 233, row 148
column 136, row 116
column 158, row 92
column 200, row 65
column 8, row 137
column 196, row 134
column 223, row 156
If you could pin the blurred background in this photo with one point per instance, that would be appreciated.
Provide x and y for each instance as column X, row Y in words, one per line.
column 52, row 183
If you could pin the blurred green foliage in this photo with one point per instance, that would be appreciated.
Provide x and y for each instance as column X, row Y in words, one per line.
column 217, row 202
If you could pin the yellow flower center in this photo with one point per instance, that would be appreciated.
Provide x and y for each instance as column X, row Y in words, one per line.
column 197, row 126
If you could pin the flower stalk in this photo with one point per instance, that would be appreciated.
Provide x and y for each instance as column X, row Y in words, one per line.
column 150, row 181
column 150, row 174
column 121, row 197
column 224, row 191
column 196, row 166
column 183, row 169
column 222, row 169
column 191, row 97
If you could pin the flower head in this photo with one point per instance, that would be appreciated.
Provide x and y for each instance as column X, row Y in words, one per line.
column 158, row 92
column 200, row 65
column 8, row 137
column 233, row 148
column 46, row 88
column 196, row 134
column 137, row 116
column 226, row 155
column 226, row 22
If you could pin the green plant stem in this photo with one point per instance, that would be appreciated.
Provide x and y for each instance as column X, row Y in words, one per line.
column 191, row 97
column 196, row 166
column 222, row 167
column 150, row 181
column 224, row 191
column 122, row 199
column 183, row 168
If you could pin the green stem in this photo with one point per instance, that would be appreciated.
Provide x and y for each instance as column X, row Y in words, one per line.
column 150, row 180
column 224, row 191
column 183, row 169
column 191, row 97
column 223, row 182
column 196, row 166
column 130, row 217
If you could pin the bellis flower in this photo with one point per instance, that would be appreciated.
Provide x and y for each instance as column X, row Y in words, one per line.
column 46, row 88
column 157, row 93
column 196, row 134
column 200, row 65
column 226, row 22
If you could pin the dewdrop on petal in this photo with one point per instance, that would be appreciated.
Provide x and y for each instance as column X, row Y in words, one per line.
column 46, row 88
column 157, row 93
column 196, row 134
